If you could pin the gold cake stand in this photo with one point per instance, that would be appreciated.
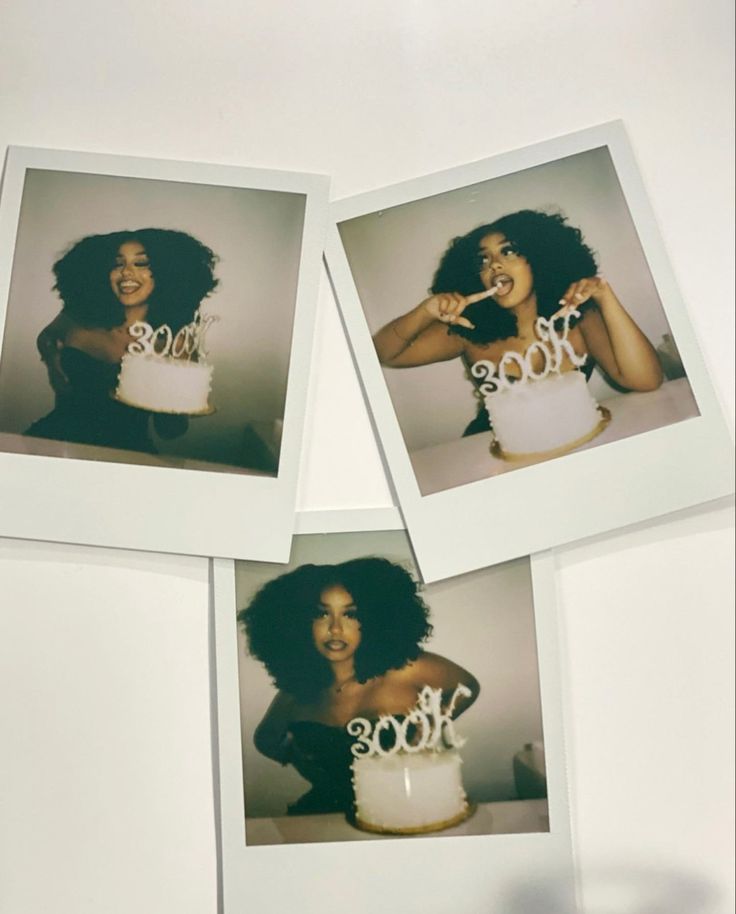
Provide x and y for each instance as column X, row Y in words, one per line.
column 511, row 456
column 418, row 829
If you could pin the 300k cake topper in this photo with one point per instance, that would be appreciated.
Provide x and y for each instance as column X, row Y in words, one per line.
column 529, row 363
column 157, row 323
column 390, row 726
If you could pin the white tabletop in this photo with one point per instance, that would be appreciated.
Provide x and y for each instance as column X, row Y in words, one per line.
column 453, row 463
column 511, row 817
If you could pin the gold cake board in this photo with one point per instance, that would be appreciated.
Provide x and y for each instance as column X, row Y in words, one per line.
column 418, row 829
column 499, row 452
column 164, row 412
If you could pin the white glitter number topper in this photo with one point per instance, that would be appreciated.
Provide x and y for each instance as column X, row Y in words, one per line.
column 187, row 343
column 550, row 345
column 434, row 725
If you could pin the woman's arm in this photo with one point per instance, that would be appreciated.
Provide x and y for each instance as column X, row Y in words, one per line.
column 50, row 342
column 271, row 737
column 440, row 673
column 104, row 345
column 420, row 336
column 613, row 338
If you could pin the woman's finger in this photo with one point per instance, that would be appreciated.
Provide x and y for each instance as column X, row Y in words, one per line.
column 478, row 296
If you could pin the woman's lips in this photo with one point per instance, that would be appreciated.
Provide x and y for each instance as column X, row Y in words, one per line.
column 502, row 284
column 126, row 288
column 336, row 645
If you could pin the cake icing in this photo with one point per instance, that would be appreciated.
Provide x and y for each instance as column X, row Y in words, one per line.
column 545, row 409
column 412, row 784
column 167, row 373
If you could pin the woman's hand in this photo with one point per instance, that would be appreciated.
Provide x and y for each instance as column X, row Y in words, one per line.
column 50, row 343
column 448, row 307
column 612, row 336
column 581, row 291
column 105, row 345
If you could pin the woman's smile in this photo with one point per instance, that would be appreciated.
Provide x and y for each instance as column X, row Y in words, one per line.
column 131, row 279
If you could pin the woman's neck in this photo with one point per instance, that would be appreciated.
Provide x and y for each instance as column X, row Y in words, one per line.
column 343, row 672
column 135, row 313
column 526, row 316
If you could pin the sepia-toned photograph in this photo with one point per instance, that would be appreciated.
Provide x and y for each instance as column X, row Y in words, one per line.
column 149, row 320
column 359, row 711
column 136, row 323
column 532, row 325
column 516, row 325
column 372, row 706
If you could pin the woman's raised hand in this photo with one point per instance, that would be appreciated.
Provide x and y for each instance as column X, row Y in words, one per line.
column 448, row 307
column 584, row 289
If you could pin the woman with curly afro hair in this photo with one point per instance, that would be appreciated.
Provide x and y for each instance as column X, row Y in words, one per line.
column 341, row 641
column 491, row 286
column 106, row 283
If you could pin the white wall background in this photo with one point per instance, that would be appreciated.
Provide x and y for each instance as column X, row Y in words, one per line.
column 107, row 775
column 393, row 256
column 483, row 621
column 257, row 236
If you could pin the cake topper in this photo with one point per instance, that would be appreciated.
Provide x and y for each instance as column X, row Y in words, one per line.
column 434, row 725
column 188, row 342
column 550, row 344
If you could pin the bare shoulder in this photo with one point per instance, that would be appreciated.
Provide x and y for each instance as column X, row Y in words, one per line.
column 436, row 671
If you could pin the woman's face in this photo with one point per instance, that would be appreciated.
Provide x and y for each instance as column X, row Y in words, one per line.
column 336, row 629
column 503, row 267
column 131, row 278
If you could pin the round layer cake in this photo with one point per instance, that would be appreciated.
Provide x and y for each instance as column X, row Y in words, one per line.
column 163, row 384
column 546, row 415
column 409, row 793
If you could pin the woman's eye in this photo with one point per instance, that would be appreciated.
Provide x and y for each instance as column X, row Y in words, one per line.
column 508, row 251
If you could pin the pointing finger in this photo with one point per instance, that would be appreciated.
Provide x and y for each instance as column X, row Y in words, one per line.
column 478, row 296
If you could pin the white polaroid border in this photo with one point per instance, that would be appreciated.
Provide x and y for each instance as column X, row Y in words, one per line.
column 585, row 493
column 152, row 507
column 468, row 874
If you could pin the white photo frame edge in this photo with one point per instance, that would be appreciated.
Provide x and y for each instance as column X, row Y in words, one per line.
column 216, row 513
column 244, row 871
column 659, row 479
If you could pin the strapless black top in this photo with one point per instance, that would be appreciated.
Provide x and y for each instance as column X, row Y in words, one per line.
column 321, row 753
column 88, row 414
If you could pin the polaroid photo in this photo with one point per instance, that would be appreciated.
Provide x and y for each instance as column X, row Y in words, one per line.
column 369, row 726
column 525, row 352
column 156, row 322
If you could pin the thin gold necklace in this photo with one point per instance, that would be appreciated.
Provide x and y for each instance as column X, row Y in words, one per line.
column 339, row 688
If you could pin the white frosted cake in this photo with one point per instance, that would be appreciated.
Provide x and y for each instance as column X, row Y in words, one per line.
column 409, row 793
column 164, row 384
column 543, row 415
column 414, row 786
column 543, row 411
column 164, row 373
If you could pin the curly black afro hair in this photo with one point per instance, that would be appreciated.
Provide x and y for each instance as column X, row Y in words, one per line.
column 182, row 268
column 278, row 622
column 556, row 253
